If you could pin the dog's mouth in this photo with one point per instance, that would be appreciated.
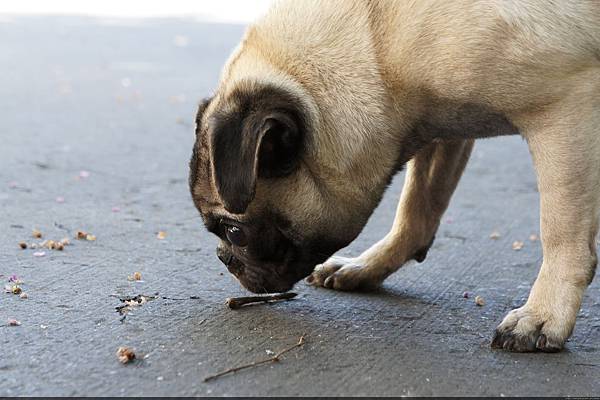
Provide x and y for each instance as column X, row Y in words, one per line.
column 267, row 277
column 263, row 279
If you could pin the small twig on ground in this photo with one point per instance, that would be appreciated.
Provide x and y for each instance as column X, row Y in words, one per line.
column 275, row 358
column 237, row 302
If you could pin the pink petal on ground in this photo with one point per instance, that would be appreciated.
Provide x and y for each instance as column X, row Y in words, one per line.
column 39, row 254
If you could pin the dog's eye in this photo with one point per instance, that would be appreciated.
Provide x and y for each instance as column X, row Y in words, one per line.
column 236, row 236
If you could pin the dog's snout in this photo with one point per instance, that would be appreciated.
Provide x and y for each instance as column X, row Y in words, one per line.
column 224, row 255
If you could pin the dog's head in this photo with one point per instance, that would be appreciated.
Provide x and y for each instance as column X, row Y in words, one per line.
column 261, row 177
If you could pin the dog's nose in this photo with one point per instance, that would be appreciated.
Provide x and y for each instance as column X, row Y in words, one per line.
column 233, row 264
column 224, row 255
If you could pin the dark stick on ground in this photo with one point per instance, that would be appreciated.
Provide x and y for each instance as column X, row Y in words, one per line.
column 237, row 302
column 275, row 358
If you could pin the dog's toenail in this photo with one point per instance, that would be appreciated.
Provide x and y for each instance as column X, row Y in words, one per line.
column 541, row 342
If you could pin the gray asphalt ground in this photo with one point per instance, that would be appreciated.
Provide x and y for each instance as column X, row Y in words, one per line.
column 117, row 98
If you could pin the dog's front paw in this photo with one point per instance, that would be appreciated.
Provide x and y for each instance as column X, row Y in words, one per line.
column 527, row 329
column 341, row 273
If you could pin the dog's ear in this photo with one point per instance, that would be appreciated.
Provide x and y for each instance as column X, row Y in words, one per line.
column 194, row 160
column 262, row 143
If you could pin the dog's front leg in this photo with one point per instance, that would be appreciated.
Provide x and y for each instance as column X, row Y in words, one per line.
column 431, row 177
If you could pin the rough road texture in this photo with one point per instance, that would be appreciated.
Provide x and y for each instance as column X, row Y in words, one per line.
column 105, row 96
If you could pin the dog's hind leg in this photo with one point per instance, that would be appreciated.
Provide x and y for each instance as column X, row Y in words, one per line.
column 564, row 141
column 431, row 177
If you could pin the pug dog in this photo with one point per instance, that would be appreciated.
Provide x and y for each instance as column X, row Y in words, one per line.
column 325, row 100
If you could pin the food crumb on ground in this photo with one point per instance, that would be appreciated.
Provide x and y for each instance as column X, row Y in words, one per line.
column 36, row 234
column 39, row 254
column 65, row 242
column 495, row 235
column 81, row 235
column 125, row 354
column 90, row 237
column 24, row 295
column 465, row 295
column 137, row 276
column 479, row 301
column 23, row 245
column 13, row 322
column 533, row 237
column 517, row 245
column 161, row 235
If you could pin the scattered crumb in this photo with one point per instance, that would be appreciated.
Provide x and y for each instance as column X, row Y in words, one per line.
column 90, row 238
column 495, row 235
column 479, row 301
column 161, row 235
column 65, row 242
column 33, row 246
column 44, row 326
column 132, row 302
column 24, row 295
column 81, row 235
column 59, row 246
column 466, row 295
column 533, row 237
column 125, row 354
column 270, row 352
column 39, row 254
column 137, row 276
column 13, row 322
column 14, row 289
column 517, row 245
column 48, row 244
column 23, row 245
column 36, row 234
